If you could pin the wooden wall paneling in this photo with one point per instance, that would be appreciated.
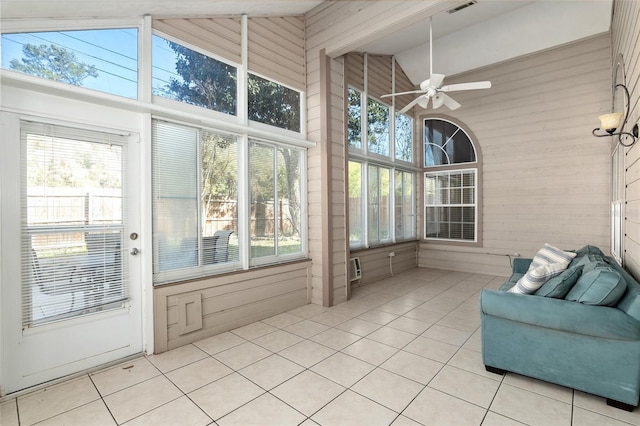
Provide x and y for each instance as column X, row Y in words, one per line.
column 221, row 36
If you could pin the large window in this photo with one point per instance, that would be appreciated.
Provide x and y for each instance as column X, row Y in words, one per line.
column 450, row 183
column 105, row 60
column 381, row 182
column 197, row 177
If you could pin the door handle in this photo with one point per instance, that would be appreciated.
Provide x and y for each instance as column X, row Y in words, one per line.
column 134, row 251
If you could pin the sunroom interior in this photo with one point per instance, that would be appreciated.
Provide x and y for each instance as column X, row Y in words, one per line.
column 205, row 204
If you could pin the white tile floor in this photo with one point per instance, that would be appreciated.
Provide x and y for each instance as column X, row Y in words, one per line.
column 404, row 351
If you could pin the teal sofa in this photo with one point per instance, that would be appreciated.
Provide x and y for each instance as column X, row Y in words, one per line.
column 585, row 335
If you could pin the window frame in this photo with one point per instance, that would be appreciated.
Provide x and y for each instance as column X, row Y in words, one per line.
column 617, row 204
column 369, row 159
column 476, row 165
column 245, row 260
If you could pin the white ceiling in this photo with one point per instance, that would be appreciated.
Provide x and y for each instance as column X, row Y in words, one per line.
column 487, row 32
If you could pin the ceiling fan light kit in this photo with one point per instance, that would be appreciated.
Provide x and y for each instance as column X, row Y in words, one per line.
column 433, row 89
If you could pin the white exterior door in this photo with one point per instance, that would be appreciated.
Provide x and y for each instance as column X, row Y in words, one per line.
column 71, row 292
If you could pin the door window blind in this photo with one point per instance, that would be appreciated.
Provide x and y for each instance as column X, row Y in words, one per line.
column 73, row 222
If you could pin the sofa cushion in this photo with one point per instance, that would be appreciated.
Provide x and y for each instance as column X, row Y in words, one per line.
column 589, row 250
column 558, row 287
column 536, row 277
column 589, row 261
column 550, row 254
column 601, row 286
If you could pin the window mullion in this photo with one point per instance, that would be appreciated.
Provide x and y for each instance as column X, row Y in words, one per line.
column 276, row 202
column 199, row 184
column 244, row 209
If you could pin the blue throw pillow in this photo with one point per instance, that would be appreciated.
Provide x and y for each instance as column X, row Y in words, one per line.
column 558, row 287
column 600, row 286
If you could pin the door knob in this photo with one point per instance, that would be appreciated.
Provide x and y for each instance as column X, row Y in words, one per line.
column 134, row 251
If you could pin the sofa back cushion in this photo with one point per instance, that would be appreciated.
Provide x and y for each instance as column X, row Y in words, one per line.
column 558, row 287
column 630, row 301
column 602, row 286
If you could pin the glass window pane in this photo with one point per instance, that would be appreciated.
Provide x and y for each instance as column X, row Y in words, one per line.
column 354, row 118
column 185, row 75
column 274, row 104
column 378, row 128
column 355, row 203
column 404, row 137
column 373, row 210
column 385, row 201
column 219, row 198
column 74, row 194
column 104, row 60
column 262, row 196
column 289, row 229
column 175, row 194
column 445, row 143
column 450, row 212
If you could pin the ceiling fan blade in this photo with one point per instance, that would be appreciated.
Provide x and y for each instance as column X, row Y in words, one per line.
column 466, row 86
column 438, row 100
column 423, row 101
column 449, row 102
column 436, row 80
column 402, row 93
column 411, row 104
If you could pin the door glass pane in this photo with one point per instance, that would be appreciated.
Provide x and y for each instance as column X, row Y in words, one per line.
column 73, row 226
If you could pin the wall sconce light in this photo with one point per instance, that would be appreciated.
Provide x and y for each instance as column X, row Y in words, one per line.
column 611, row 122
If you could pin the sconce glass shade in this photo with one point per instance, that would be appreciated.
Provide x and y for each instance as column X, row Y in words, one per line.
column 610, row 122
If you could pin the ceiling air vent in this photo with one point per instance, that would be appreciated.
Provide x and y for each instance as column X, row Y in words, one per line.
column 463, row 6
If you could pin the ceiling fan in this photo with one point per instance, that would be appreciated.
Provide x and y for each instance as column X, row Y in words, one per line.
column 432, row 88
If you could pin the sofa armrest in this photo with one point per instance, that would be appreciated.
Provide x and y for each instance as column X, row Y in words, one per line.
column 560, row 314
column 521, row 265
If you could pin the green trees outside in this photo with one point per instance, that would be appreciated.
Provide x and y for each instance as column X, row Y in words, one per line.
column 203, row 82
column 53, row 63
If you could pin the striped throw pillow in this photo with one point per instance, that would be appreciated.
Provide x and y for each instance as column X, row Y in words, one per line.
column 550, row 254
column 536, row 277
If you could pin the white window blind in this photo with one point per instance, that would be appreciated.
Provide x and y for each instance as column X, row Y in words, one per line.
column 450, row 205
column 195, row 201
column 73, row 222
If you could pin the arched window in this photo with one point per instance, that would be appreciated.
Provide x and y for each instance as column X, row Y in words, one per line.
column 451, row 185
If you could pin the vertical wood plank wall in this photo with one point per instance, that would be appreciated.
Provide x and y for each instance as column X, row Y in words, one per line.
column 545, row 177
column 186, row 312
column 626, row 40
